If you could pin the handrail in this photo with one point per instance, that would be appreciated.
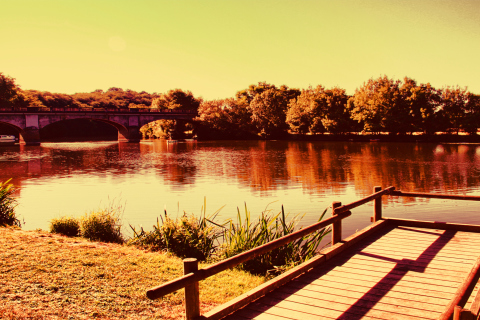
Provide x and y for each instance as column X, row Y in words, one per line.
column 433, row 195
column 360, row 202
column 201, row 274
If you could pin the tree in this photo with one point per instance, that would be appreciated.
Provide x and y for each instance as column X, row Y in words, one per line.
column 379, row 106
column 453, row 107
column 319, row 110
column 423, row 103
column 10, row 94
column 267, row 106
column 176, row 99
column 268, row 113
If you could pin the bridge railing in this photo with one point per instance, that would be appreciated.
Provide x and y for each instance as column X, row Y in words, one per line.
column 87, row 109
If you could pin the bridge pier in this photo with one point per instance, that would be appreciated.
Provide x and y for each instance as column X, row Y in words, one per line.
column 132, row 134
column 30, row 136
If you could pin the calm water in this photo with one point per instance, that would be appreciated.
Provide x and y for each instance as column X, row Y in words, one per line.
column 57, row 179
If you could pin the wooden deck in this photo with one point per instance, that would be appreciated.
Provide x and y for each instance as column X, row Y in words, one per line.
column 393, row 269
column 399, row 273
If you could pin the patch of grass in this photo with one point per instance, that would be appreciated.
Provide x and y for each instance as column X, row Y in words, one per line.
column 7, row 205
column 246, row 234
column 46, row 276
column 104, row 224
column 67, row 226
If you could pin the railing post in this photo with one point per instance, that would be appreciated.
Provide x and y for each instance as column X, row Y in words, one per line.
column 377, row 208
column 336, row 226
column 192, row 293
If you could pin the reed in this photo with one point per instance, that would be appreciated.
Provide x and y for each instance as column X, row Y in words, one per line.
column 185, row 236
column 7, row 205
column 247, row 234
column 104, row 224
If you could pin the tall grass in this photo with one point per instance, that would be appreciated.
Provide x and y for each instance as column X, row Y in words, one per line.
column 203, row 238
column 7, row 205
column 185, row 236
column 247, row 234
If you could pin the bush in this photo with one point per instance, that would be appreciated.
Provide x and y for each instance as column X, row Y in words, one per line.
column 186, row 237
column 67, row 226
column 7, row 205
column 246, row 235
column 103, row 225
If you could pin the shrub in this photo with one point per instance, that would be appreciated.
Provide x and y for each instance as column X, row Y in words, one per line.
column 246, row 235
column 186, row 237
column 68, row 226
column 103, row 225
column 7, row 205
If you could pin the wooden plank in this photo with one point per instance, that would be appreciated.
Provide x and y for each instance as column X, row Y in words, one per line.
column 320, row 308
column 435, row 225
column 383, row 267
column 404, row 264
column 356, row 290
column 353, row 296
column 451, row 250
column 350, row 284
column 416, row 259
column 436, row 290
column 395, row 275
column 325, row 255
column 393, row 279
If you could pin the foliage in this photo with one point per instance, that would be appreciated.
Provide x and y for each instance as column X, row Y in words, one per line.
column 269, row 112
column 224, row 119
column 319, row 110
column 7, row 205
column 103, row 225
column 176, row 99
column 67, row 226
column 10, row 93
column 246, row 234
column 186, row 236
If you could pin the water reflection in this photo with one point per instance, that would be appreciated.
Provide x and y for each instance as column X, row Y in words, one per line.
column 239, row 169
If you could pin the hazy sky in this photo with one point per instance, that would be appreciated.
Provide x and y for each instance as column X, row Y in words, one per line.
column 215, row 48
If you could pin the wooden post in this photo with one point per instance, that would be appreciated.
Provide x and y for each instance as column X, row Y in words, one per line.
column 377, row 213
column 336, row 226
column 192, row 293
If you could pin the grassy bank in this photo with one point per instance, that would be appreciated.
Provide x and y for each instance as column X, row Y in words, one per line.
column 47, row 276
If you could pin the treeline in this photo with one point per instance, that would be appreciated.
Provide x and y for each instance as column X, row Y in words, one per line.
column 264, row 110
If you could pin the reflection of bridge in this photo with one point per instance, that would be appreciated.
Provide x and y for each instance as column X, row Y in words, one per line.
column 29, row 121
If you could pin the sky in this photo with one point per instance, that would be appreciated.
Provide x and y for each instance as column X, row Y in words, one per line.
column 216, row 48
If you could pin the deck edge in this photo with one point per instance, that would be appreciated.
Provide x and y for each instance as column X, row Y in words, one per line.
column 324, row 255
column 434, row 225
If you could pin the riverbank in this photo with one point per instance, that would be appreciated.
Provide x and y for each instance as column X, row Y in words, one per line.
column 46, row 276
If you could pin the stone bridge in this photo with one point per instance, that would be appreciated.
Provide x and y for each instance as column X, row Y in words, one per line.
column 29, row 121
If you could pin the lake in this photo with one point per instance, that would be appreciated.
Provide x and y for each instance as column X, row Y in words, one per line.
column 56, row 179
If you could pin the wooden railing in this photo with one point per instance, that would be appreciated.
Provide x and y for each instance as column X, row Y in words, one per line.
column 192, row 275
